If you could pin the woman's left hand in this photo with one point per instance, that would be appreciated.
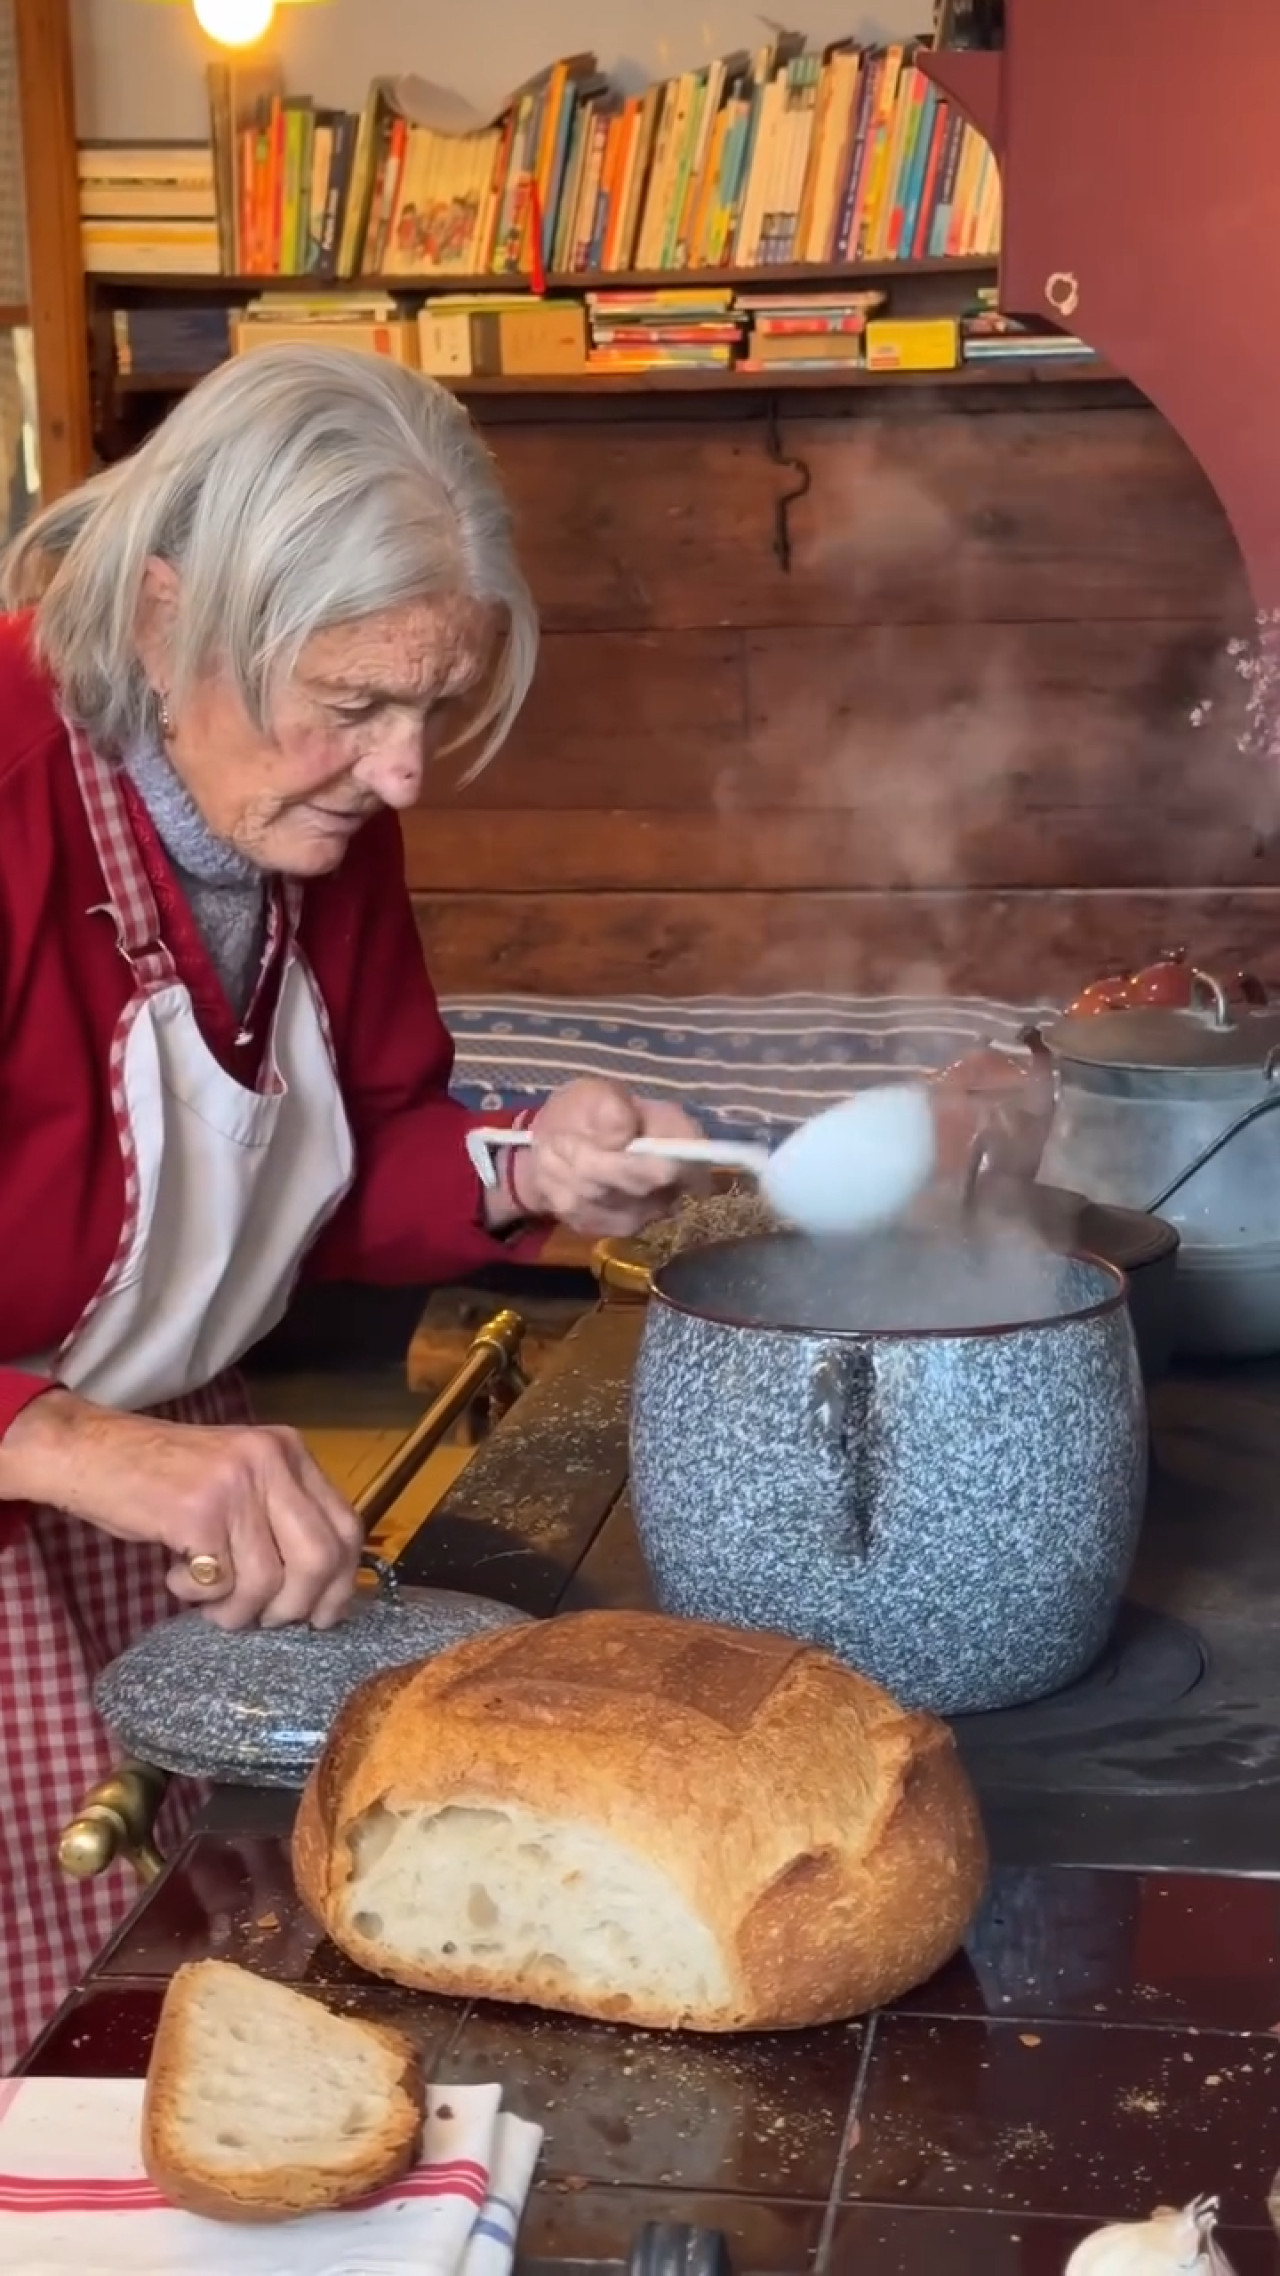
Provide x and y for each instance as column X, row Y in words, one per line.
column 578, row 1170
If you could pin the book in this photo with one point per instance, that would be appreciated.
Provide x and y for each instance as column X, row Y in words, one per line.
column 183, row 342
column 781, row 157
column 163, row 181
column 147, row 248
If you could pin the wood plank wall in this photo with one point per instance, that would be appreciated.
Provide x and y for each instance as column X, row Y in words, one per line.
column 949, row 748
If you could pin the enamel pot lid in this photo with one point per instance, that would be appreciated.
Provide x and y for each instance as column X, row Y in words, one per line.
column 1160, row 1041
column 256, row 1707
column 1174, row 1019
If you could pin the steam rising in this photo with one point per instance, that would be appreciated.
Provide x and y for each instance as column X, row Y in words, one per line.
column 891, row 1284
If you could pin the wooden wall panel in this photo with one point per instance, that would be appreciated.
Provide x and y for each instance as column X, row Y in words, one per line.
column 612, row 714
column 952, row 748
column 644, row 851
column 927, row 733
column 914, row 515
column 1015, row 946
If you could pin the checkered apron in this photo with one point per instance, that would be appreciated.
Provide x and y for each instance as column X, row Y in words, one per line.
column 72, row 1598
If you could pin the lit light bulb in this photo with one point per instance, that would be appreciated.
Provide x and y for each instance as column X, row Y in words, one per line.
column 234, row 23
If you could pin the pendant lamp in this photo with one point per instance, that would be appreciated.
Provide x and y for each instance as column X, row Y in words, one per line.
column 237, row 23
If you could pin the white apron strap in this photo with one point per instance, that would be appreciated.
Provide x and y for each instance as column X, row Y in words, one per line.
column 130, row 903
column 132, row 908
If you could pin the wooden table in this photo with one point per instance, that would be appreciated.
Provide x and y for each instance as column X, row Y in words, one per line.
column 1107, row 2042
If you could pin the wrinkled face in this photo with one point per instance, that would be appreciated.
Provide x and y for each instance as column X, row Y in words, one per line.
column 350, row 732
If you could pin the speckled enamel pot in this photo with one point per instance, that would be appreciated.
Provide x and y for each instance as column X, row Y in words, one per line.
column 953, row 1511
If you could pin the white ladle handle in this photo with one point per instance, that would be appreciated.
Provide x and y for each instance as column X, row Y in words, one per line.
column 711, row 1153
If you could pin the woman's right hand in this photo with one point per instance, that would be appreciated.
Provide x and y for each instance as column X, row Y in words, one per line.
column 252, row 1497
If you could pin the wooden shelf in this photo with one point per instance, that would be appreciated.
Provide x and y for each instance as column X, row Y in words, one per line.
column 813, row 274
column 1041, row 373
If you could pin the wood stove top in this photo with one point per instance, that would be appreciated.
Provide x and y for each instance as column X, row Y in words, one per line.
column 1109, row 2040
column 1168, row 1757
column 1106, row 2043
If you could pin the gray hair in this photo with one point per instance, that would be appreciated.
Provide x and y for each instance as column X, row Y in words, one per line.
column 294, row 489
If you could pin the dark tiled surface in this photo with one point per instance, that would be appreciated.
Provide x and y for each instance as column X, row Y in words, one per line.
column 1107, row 2042
column 228, row 1899
column 764, row 2116
column 107, row 2031
column 1071, row 2119
column 1118, row 1948
column 596, row 2226
column 917, row 2243
column 99, row 2034
column 1072, row 1944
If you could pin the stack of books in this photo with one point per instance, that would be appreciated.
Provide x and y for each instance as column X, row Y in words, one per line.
column 170, row 343
column 500, row 335
column 781, row 156
column 806, row 331
column 990, row 337
column 148, row 208
column 698, row 329
column 371, row 322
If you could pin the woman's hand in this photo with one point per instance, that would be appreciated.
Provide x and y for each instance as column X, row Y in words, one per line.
column 578, row 1170
column 288, row 1543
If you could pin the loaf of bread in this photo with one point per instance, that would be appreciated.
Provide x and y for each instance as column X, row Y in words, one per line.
column 260, row 2104
column 643, row 1820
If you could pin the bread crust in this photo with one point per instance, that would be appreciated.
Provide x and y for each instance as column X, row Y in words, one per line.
column 281, row 2193
column 830, row 1839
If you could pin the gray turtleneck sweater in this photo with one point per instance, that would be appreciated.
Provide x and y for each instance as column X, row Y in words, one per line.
column 227, row 893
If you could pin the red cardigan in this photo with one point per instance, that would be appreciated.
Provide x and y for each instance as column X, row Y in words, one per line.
column 415, row 1210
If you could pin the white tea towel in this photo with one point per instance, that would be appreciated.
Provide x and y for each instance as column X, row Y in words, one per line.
column 457, row 2147
column 74, row 2196
column 516, row 2144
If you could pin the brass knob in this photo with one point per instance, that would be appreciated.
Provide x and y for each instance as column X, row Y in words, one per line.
column 91, row 1844
column 503, row 1335
column 117, row 1821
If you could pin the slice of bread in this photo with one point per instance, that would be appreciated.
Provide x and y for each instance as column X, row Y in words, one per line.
column 260, row 2104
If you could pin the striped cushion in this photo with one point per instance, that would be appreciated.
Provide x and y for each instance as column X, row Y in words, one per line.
column 744, row 1068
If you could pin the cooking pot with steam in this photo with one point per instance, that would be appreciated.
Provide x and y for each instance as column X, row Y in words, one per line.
column 926, row 1453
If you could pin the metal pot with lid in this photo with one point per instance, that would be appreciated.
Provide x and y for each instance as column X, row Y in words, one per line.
column 1171, row 1107
column 255, row 1708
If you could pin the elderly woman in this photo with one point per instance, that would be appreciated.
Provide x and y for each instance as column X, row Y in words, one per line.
column 228, row 663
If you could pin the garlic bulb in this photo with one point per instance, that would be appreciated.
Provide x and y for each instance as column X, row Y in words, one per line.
column 1168, row 2242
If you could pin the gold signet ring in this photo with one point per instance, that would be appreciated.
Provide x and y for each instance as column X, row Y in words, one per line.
column 206, row 1571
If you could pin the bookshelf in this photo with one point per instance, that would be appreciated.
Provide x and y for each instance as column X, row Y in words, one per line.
column 154, row 287
column 835, row 182
column 127, row 402
column 606, row 384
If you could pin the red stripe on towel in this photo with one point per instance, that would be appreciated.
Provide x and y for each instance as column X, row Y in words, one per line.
column 32, row 2193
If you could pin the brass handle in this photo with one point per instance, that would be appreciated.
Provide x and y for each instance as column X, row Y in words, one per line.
column 621, row 1271
column 117, row 1819
column 494, row 1351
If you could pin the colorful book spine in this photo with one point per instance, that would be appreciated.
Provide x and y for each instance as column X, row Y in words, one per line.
column 782, row 158
column 868, row 96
